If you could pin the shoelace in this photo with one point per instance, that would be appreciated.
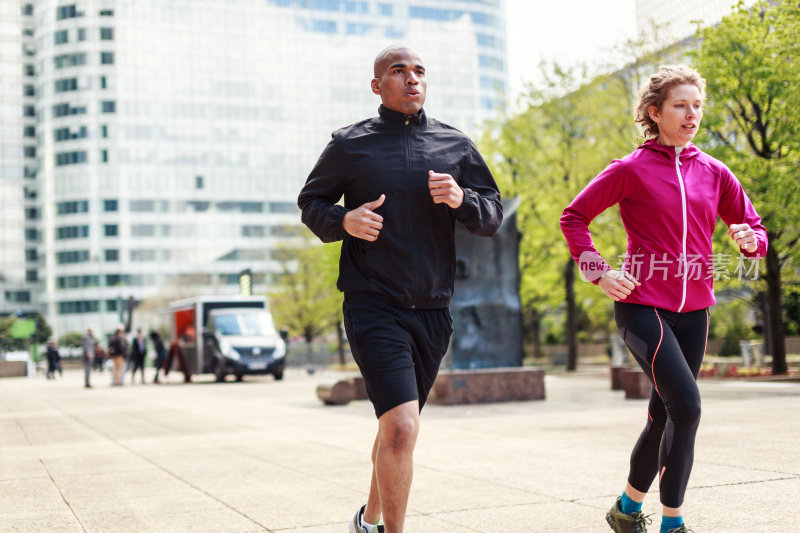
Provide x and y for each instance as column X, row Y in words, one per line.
column 641, row 521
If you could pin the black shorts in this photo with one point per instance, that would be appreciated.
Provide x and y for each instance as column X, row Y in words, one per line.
column 398, row 350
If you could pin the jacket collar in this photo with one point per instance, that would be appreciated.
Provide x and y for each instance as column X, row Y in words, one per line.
column 396, row 118
column 689, row 151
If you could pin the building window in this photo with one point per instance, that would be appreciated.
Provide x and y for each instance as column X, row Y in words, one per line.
column 29, row 70
column 29, row 172
column 31, row 255
column 78, row 307
column 61, row 37
column 490, row 62
column 106, row 58
column 29, row 111
column 385, row 10
column 282, row 207
column 29, row 151
column 31, row 234
column 65, row 134
column 111, row 305
column 106, row 12
column 104, row 156
column 75, row 206
column 108, row 106
column 67, row 84
column 69, row 60
column 146, row 255
column 81, row 34
column 103, row 82
column 67, row 12
column 104, row 131
column 70, row 158
column 323, row 26
column 73, row 256
column 28, row 90
column 143, row 230
column 106, row 34
column 142, row 206
column 253, row 231
column 27, row 9
column 111, row 230
column 72, row 232
column 110, row 206
column 20, row 297
column 112, row 255
column 29, row 131
column 31, row 213
column 198, row 182
column 31, row 275
column 240, row 207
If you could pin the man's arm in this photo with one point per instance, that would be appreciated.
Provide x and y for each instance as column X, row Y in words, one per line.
column 317, row 201
column 480, row 211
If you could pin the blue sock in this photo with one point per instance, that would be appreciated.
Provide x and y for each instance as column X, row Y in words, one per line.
column 670, row 522
column 628, row 506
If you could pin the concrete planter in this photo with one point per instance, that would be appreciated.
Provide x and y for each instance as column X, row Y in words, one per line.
column 635, row 384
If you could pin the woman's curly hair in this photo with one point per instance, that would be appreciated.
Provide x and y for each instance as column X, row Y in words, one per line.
column 654, row 91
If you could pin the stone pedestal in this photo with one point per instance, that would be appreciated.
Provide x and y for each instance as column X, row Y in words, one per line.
column 359, row 388
column 616, row 376
column 336, row 392
column 635, row 384
column 11, row 369
column 455, row 387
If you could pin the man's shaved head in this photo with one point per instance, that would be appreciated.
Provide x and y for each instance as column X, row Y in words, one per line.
column 386, row 55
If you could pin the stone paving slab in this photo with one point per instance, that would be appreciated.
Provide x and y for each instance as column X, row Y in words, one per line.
column 268, row 456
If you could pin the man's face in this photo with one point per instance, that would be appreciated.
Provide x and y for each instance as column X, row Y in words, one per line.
column 400, row 82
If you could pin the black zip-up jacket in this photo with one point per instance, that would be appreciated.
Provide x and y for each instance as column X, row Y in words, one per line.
column 412, row 262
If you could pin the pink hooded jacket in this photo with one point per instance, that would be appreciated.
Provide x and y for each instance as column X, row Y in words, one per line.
column 669, row 205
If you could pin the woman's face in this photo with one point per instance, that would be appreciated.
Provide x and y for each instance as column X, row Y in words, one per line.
column 679, row 116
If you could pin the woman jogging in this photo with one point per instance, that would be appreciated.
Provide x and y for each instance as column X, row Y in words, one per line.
column 669, row 194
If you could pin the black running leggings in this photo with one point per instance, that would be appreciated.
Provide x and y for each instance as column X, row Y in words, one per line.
column 669, row 347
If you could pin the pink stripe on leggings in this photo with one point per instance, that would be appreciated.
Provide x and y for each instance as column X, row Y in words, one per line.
column 653, row 362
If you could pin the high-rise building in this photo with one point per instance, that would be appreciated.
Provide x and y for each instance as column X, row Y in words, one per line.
column 18, row 211
column 172, row 137
column 671, row 21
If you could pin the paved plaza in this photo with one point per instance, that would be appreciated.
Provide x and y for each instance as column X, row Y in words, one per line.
column 268, row 456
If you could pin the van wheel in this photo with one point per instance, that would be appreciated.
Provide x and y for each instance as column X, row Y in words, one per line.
column 219, row 371
column 278, row 374
column 239, row 377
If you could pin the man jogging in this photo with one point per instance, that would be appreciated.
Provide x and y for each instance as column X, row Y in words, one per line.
column 406, row 179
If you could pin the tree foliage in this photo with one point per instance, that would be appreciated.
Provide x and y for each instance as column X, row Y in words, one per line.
column 305, row 299
column 752, row 123
column 570, row 128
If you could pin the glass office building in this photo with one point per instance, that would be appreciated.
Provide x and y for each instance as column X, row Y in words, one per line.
column 18, row 209
column 172, row 137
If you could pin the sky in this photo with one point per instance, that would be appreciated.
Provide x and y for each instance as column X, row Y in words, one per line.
column 563, row 30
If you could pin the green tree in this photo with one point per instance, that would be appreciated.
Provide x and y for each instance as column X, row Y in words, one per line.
column 72, row 339
column 305, row 299
column 7, row 342
column 752, row 122
column 570, row 128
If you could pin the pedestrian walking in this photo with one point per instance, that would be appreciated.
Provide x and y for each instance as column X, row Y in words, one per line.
column 406, row 179
column 670, row 194
column 88, row 343
column 160, row 351
column 138, row 353
column 53, row 360
column 117, row 347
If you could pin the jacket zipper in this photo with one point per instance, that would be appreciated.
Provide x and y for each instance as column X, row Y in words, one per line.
column 409, row 189
column 685, row 228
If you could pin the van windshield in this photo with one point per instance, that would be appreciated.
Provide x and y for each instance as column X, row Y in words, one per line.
column 250, row 324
